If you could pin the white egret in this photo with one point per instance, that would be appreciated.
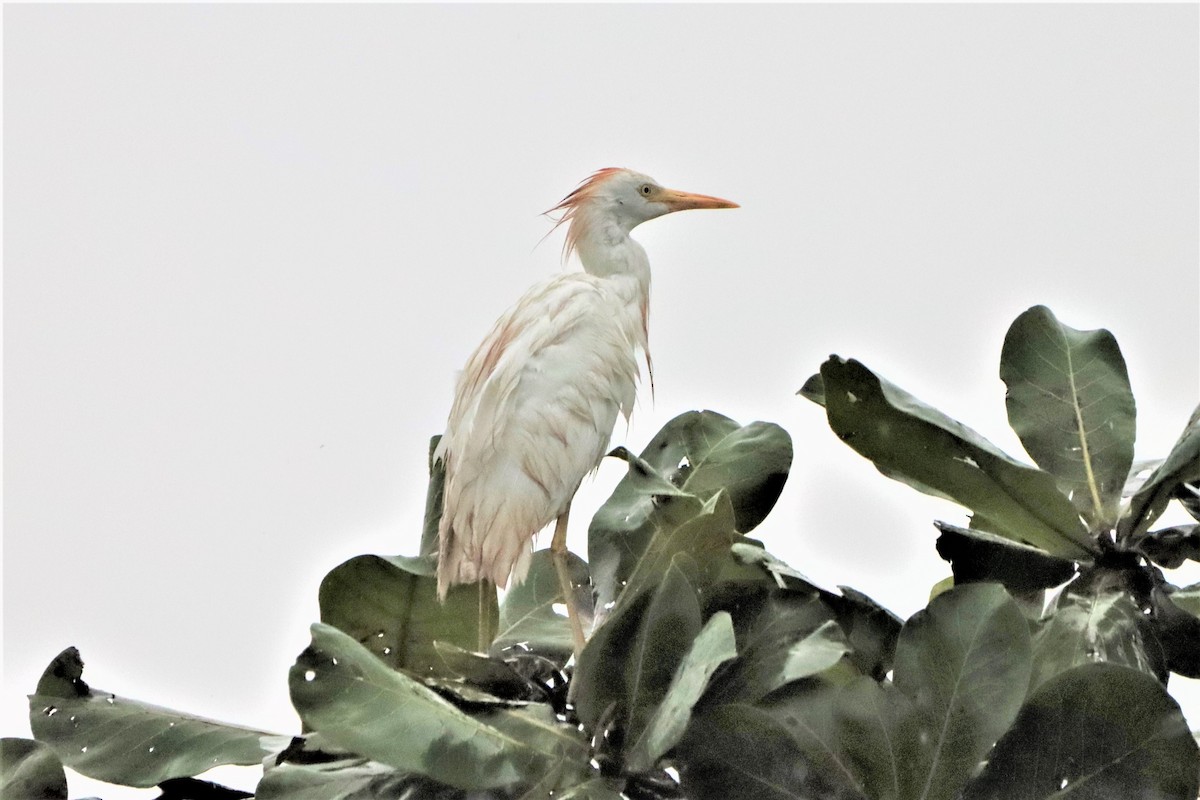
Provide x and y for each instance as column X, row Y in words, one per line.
column 536, row 404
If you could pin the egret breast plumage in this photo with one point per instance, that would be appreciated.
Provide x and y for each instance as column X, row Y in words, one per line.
column 537, row 402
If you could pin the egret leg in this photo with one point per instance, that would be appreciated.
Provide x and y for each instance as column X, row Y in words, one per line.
column 558, row 549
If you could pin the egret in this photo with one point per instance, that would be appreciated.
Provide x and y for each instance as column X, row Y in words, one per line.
column 535, row 406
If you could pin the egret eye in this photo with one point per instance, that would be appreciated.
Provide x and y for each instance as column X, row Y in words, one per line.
column 645, row 189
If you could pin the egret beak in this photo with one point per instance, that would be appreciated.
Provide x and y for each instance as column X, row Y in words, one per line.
column 675, row 200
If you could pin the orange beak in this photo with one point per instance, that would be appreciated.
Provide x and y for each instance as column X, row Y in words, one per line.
column 682, row 201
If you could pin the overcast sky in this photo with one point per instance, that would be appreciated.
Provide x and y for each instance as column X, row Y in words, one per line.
column 247, row 248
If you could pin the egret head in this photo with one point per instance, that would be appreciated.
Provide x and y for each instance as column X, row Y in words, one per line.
column 615, row 201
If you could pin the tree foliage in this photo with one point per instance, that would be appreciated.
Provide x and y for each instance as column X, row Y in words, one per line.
column 713, row 669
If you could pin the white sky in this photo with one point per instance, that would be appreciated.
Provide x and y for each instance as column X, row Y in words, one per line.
column 247, row 248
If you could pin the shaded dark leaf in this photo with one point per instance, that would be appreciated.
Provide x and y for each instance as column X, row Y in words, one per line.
column 1070, row 403
column 979, row 557
column 781, row 638
column 193, row 789
column 871, row 629
column 914, row 443
column 491, row 675
column 1095, row 732
column 30, row 769
column 433, row 502
column 1170, row 547
column 127, row 742
column 1176, row 622
column 389, row 605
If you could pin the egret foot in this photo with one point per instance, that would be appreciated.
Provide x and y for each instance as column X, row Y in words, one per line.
column 558, row 549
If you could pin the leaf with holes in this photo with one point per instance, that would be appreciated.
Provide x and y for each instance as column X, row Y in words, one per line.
column 389, row 605
column 528, row 617
column 1070, row 403
column 344, row 692
column 914, row 443
column 1087, row 627
column 646, row 522
column 1095, row 732
column 116, row 740
column 964, row 662
column 703, row 452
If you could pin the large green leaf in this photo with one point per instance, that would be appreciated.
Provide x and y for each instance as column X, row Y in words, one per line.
column 1095, row 732
column 1182, row 465
column 879, row 732
column 871, row 629
column 964, row 662
column 978, row 556
column 528, row 616
column 703, row 452
column 629, row 662
column 739, row 751
column 123, row 741
column 343, row 691
column 389, row 605
column 1087, row 627
column 645, row 523
column 712, row 647
column 788, row 637
column 1070, row 403
column 914, row 443
column 30, row 769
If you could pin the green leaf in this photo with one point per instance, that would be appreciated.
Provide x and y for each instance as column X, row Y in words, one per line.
column 739, row 751
column 813, row 389
column 964, row 662
column 1087, row 627
column 488, row 674
column 918, row 445
column 1170, row 547
column 389, row 605
column 978, row 556
column 712, row 647
column 433, row 502
column 809, row 711
column 871, row 629
column 1182, row 465
column 646, row 522
column 122, row 741
column 30, row 769
column 879, row 732
column 343, row 691
column 703, row 452
column 346, row 779
column 789, row 637
column 630, row 660
column 1070, row 403
column 1095, row 732
column 527, row 616
column 1176, row 625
